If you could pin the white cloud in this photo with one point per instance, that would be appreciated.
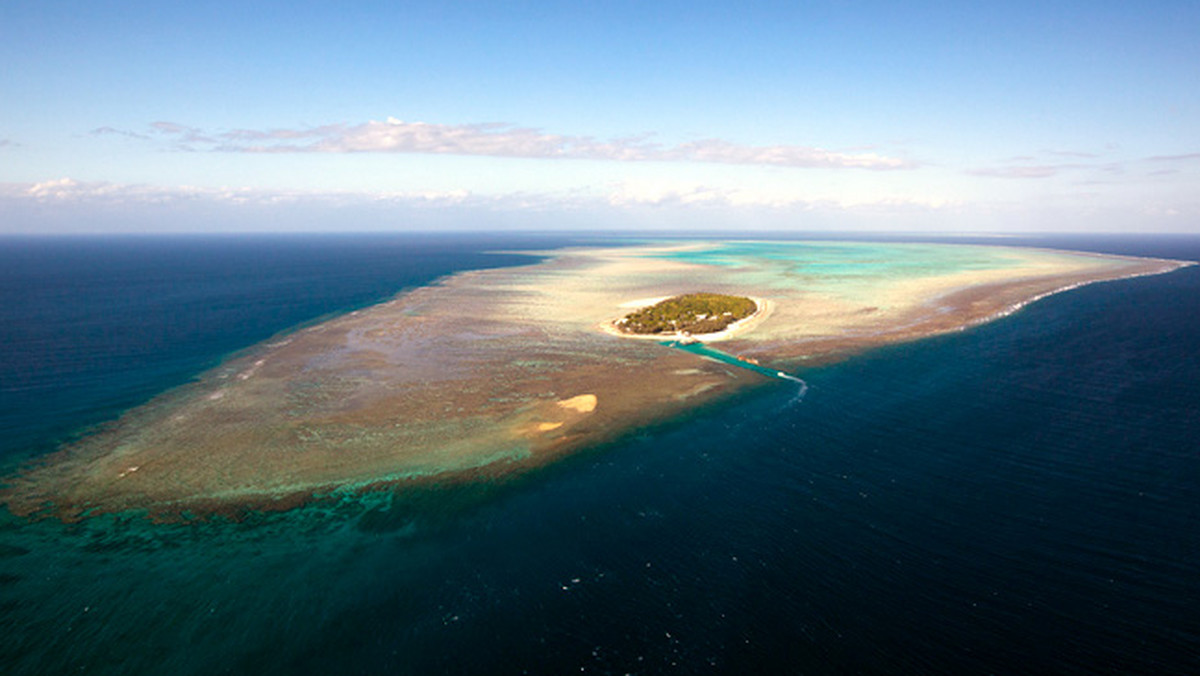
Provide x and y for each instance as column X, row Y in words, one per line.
column 1186, row 157
column 66, row 205
column 1083, row 155
column 1027, row 171
column 100, row 194
column 65, row 190
column 184, row 137
column 112, row 131
column 500, row 140
column 1046, row 164
column 104, row 193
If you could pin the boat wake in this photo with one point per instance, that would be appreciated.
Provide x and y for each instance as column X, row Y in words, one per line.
column 801, row 390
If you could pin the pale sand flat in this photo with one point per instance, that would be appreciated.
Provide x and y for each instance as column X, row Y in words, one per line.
column 584, row 403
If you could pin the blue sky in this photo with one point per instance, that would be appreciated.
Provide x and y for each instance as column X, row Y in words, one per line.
column 1016, row 116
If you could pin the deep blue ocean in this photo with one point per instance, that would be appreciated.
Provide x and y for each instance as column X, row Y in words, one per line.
column 1019, row 498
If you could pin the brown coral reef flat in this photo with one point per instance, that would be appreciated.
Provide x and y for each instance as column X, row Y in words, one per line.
column 489, row 372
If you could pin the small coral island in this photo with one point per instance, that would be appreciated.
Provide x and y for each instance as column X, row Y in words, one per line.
column 692, row 313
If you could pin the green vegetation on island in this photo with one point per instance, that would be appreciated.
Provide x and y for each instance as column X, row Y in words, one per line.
column 693, row 313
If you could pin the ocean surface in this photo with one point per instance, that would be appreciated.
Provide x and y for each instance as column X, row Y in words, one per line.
column 1022, row 497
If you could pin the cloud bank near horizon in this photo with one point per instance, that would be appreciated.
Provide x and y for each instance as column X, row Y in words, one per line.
column 104, row 193
column 69, row 205
column 501, row 140
column 64, row 206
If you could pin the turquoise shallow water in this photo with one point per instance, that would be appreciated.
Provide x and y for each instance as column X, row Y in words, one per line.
column 724, row 357
column 1019, row 498
column 817, row 257
column 835, row 267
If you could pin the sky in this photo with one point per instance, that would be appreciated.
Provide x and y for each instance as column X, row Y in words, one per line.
column 676, row 116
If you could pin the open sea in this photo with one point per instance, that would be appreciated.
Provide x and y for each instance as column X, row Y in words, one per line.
column 1019, row 498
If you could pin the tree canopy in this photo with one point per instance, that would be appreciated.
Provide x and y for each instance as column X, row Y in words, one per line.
column 695, row 313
